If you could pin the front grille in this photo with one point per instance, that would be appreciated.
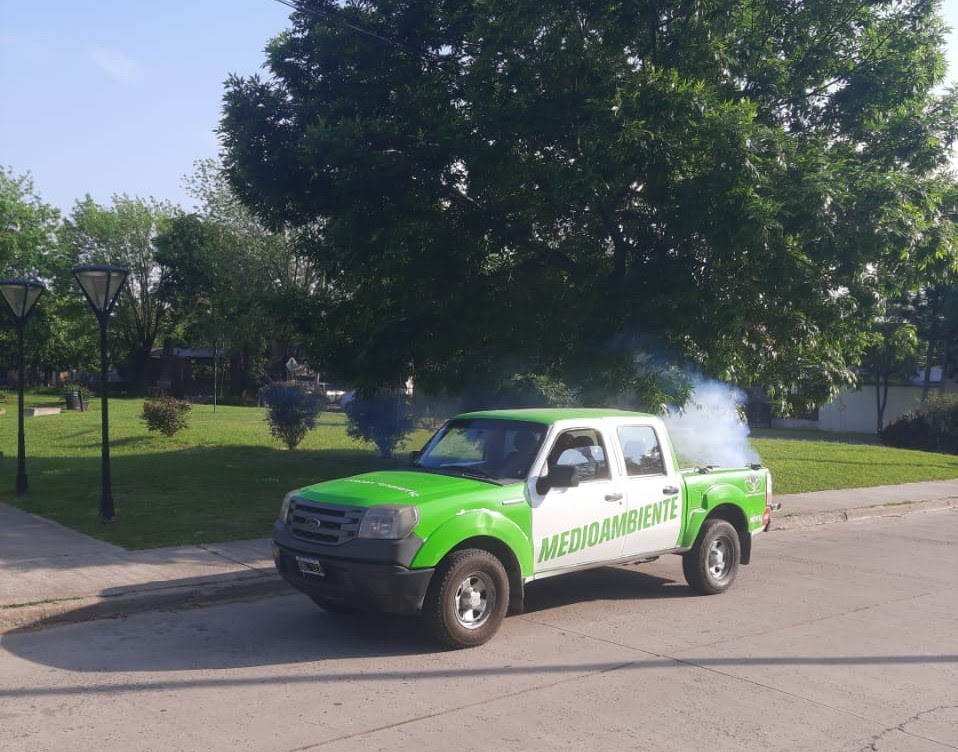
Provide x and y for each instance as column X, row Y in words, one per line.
column 324, row 523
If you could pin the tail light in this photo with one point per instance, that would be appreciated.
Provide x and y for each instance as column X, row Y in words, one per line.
column 767, row 516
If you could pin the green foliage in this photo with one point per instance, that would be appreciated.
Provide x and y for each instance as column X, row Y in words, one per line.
column 291, row 412
column 891, row 355
column 531, row 180
column 384, row 419
column 30, row 248
column 165, row 414
column 932, row 428
column 891, row 352
column 123, row 233
column 235, row 282
column 27, row 228
column 535, row 390
column 72, row 387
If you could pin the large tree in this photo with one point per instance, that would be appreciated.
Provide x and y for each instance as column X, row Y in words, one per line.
column 124, row 233
column 59, row 335
column 564, row 187
column 234, row 283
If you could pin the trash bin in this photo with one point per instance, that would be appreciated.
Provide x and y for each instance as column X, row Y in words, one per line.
column 75, row 401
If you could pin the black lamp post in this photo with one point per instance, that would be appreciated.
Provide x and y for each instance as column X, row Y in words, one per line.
column 20, row 296
column 102, row 284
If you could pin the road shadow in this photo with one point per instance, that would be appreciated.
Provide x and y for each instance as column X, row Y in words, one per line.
column 283, row 629
column 287, row 629
column 601, row 584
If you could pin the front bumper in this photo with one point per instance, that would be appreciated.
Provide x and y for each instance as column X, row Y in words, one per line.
column 370, row 576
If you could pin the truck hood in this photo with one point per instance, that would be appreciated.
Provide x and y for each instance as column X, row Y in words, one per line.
column 392, row 487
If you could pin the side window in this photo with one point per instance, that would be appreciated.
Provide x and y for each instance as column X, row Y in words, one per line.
column 583, row 449
column 643, row 455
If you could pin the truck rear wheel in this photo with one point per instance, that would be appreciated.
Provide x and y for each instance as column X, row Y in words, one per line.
column 467, row 598
column 711, row 565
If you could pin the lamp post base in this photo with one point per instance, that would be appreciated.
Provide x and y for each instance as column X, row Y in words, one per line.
column 107, row 512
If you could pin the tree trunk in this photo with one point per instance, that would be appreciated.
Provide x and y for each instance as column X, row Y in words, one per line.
column 944, row 363
column 881, row 399
column 930, row 350
column 138, row 367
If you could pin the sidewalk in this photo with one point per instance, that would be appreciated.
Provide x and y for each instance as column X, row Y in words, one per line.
column 50, row 574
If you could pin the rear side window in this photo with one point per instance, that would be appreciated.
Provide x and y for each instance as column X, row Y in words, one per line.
column 643, row 454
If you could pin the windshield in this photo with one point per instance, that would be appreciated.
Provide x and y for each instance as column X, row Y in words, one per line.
column 495, row 450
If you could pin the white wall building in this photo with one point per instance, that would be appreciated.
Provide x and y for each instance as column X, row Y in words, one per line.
column 856, row 410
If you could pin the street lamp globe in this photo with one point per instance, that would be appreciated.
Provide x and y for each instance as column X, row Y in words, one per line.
column 101, row 284
column 20, row 295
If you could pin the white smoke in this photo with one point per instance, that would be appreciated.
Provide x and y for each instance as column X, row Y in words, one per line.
column 710, row 429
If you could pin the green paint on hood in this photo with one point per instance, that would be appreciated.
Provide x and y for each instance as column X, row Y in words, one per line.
column 393, row 487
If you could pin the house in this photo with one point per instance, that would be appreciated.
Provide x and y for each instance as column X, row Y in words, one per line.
column 181, row 371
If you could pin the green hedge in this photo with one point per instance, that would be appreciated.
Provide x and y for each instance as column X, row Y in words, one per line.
column 931, row 428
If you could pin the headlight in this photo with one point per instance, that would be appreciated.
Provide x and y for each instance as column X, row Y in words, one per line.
column 388, row 522
column 284, row 509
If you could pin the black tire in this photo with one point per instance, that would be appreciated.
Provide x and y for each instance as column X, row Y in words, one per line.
column 467, row 598
column 333, row 607
column 711, row 565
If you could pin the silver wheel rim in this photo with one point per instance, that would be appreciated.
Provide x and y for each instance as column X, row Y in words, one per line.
column 719, row 558
column 475, row 599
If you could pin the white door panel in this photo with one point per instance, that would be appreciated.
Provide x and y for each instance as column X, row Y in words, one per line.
column 655, row 517
column 573, row 526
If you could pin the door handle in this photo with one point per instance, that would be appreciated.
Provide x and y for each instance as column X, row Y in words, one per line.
column 613, row 497
column 670, row 490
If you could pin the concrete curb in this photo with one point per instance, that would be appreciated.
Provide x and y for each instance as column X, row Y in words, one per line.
column 811, row 519
column 131, row 601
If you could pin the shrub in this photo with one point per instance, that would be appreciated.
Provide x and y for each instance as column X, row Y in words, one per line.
column 290, row 412
column 385, row 419
column 931, row 428
column 165, row 414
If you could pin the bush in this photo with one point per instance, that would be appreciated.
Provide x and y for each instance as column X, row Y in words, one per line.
column 384, row 419
column 931, row 428
column 165, row 414
column 290, row 412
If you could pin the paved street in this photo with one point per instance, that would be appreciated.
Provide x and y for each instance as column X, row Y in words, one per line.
column 837, row 637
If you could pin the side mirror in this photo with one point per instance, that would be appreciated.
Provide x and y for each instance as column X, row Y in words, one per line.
column 560, row 476
column 414, row 457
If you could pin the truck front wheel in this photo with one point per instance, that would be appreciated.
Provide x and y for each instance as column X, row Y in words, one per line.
column 711, row 565
column 467, row 598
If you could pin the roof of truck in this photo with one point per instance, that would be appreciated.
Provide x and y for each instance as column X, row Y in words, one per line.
column 550, row 415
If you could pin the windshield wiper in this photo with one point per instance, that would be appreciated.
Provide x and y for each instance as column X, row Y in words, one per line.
column 471, row 471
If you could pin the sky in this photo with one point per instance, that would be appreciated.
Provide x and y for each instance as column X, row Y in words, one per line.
column 103, row 97
column 107, row 97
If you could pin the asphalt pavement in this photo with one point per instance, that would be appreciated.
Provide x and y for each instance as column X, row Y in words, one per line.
column 50, row 574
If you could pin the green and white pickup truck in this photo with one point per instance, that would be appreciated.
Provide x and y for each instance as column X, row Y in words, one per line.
column 497, row 500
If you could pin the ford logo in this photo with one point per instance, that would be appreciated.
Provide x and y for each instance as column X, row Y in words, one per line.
column 313, row 522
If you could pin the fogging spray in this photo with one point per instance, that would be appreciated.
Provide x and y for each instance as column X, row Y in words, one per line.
column 710, row 430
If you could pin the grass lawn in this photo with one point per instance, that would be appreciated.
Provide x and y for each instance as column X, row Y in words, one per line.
column 223, row 477
column 812, row 461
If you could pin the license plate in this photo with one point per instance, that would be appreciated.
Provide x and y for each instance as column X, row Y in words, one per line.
column 310, row 566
